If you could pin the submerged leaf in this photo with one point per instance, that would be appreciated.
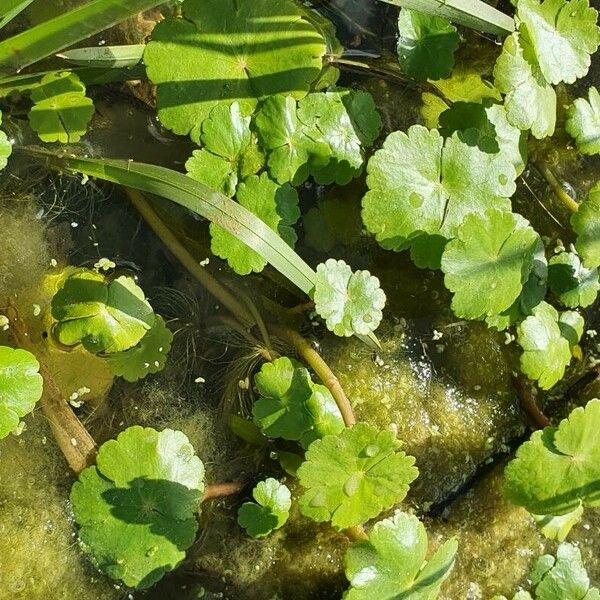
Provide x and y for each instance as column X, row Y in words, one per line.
column 571, row 281
column 149, row 356
column 583, row 122
column 418, row 185
column 350, row 302
column 391, row 563
column 586, row 224
column 270, row 511
column 546, row 351
column 426, row 45
column 228, row 50
column 275, row 205
column 102, row 314
column 136, row 508
column 20, row 387
column 351, row 477
column 61, row 111
column 557, row 527
column 488, row 263
column 559, row 468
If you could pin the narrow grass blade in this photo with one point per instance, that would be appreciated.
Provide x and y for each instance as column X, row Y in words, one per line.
column 11, row 9
column 105, row 56
column 65, row 30
column 474, row 14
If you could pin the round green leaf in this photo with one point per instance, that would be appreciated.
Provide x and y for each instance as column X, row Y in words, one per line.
column 5, row 147
column 325, row 415
column 103, row 315
column 583, row 122
column 350, row 302
column 20, row 387
column 418, row 185
column 228, row 50
column 546, row 352
column 586, row 223
column 61, row 110
column 351, row 477
column 136, row 508
column 276, row 205
column 391, row 563
column 559, row 468
column 149, row 356
column 426, row 45
column 571, row 281
column 488, row 263
column 270, row 511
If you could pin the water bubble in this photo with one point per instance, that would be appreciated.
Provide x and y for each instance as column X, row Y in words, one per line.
column 372, row 450
column 352, row 484
column 318, row 501
column 416, row 200
column 503, row 179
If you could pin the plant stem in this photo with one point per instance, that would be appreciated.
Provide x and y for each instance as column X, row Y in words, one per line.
column 529, row 403
column 221, row 490
column 74, row 440
column 220, row 292
column 323, row 371
column 557, row 188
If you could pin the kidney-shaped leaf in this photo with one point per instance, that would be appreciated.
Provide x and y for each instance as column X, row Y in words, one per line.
column 227, row 50
column 391, row 563
column 583, row 122
column 569, row 279
column 586, row 223
column 351, row 477
column 20, row 387
column 270, row 511
column 559, row 467
column 103, row 315
column 136, row 508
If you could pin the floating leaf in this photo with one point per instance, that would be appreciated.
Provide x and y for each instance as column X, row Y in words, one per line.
column 557, row 527
column 350, row 302
column 488, row 263
column 546, row 352
column 20, row 387
column 275, row 205
column 558, row 468
column 563, row 578
column 583, row 122
column 228, row 143
column 351, row 477
column 571, row 281
column 292, row 151
column 426, row 45
column 149, row 356
column 418, row 185
column 102, row 314
column 530, row 100
column 61, row 111
column 391, row 563
column 270, row 511
column 486, row 126
column 5, row 147
column 136, row 508
column 586, row 224
column 560, row 35
column 347, row 121
column 291, row 406
column 228, row 50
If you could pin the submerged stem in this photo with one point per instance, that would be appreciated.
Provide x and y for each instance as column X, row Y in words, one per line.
column 73, row 439
column 221, row 490
column 557, row 188
column 323, row 371
column 529, row 403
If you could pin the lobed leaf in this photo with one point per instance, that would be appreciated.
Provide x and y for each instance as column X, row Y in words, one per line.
column 426, row 45
column 351, row 477
column 571, row 281
column 558, row 469
column 136, row 508
column 350, row 302
column 583, row 122
column 61, row 111
column 270, row 511
column 5, row 147
column 21, row 387
column 391, row 563
column 148, row 356
column 586, row 224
